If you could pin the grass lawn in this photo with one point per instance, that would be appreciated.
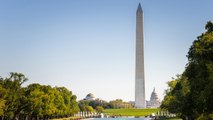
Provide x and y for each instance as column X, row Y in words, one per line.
column 130, row 112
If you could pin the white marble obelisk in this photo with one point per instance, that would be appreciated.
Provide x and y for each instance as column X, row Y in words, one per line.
column 139, row 68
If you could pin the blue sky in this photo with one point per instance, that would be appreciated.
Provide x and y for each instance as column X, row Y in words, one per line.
column 88, row 46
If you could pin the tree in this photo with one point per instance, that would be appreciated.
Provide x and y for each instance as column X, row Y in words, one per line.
column 74, row 105
column 192, row 93
column 2, row 100
column 175, row 99
column 99, row 109
column 14, row 99
column 119, row 103
column 200, row 72
column 82, row 104
column 65, row 101
column 93, row 104
column 34, row 95
column 209, row 26
column 89, row 109
column 34, row 101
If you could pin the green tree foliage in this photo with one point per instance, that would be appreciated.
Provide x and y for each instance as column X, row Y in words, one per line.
column 119, row 103
column 209, row 26
column 2, row 97
column 98, row 102
column 93, row 104
column 175, row 98
column 99, row 109
column 89, row 109
column 191, row 94
column 12, row 95
column 74, row 104
column 82, row 104
column 34, row 101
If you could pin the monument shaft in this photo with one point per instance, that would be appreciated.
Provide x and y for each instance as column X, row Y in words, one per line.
column 139, row 68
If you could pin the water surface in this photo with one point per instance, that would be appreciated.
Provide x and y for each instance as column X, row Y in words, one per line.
column 120, row 119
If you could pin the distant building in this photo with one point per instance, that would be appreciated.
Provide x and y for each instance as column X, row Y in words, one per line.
column 154, row 102
column 90, row 96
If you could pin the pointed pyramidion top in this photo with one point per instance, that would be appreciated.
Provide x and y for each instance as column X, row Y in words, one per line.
column 139, row 8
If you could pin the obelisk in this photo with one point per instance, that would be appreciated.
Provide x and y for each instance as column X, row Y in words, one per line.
column 139, row 68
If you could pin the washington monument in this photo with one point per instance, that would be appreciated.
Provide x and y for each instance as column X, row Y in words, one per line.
column 139, row 68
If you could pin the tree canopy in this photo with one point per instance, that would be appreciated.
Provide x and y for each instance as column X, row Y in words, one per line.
column 35, row 100
column 191, row 94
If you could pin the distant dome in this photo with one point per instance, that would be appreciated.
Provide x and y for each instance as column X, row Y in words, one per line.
column 154, row 101
column 154, row 95
column 90, row 96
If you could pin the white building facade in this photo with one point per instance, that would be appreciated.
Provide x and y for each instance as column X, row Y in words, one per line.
column 154, row 101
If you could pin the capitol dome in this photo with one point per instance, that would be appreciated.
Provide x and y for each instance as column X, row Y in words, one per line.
column 154, row 102
column 154, row 95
